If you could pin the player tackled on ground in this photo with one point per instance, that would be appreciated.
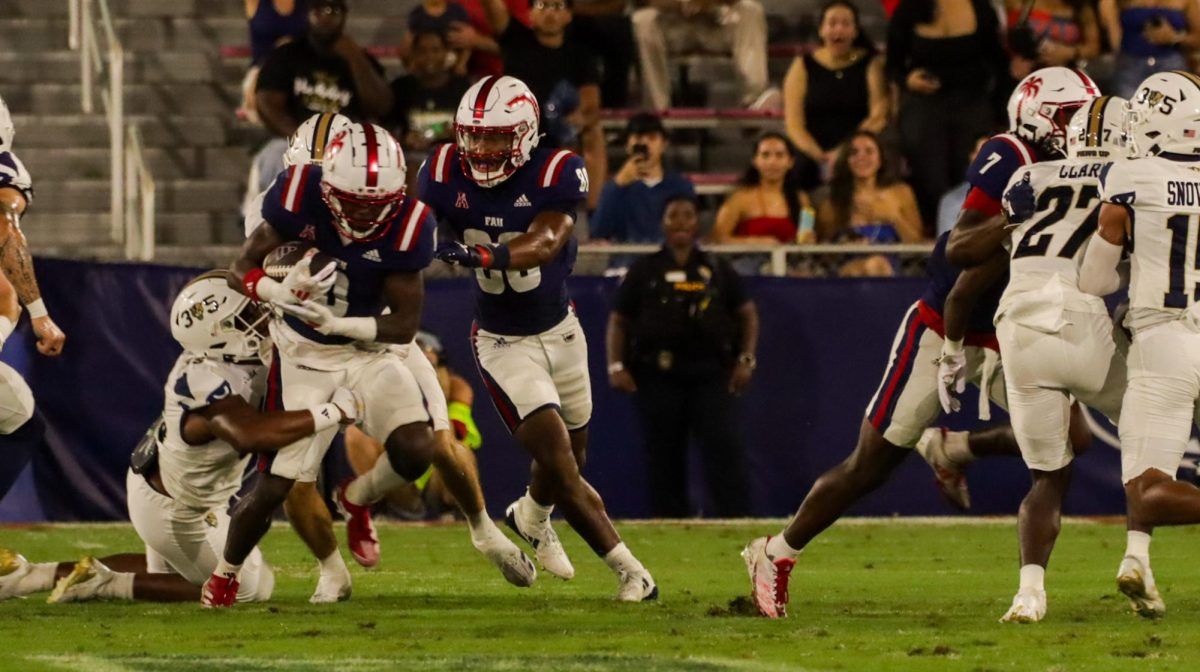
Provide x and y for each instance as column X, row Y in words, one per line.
column 188, row 466
column 513, row 205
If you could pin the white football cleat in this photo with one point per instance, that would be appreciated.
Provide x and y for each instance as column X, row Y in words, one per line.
column 332, row 588
column 13, row 568
column 1136, row 581
column 637, row 587
column 512, row 562
column 83, row 583
column 1029, row 606
column 947, row 473
column 768, row 578
column 544, row 540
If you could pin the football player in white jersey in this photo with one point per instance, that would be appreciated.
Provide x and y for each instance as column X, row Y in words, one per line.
column 1160, row 191
column 305, row 508
column 1056, row 341
column 21, row 427
column 190, row 464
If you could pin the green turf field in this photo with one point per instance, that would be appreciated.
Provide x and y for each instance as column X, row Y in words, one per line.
column 866, row 596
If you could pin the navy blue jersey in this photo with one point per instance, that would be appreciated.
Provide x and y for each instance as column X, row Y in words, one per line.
column 1001, row 156
column 293, row 206
column 943, row 275
column 516, row 303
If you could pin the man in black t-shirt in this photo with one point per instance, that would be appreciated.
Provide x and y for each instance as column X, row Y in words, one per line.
column 326, row 72
column 563, row 75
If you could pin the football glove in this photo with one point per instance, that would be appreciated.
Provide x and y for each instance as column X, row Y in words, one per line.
column 951, row 376
column 474, row 256
column 350, row 403
column 1020, row 202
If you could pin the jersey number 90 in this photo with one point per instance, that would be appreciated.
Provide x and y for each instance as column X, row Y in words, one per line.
column 493, row 281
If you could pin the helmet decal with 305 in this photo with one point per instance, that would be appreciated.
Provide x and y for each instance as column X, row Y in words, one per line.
column 212, row 319
column 363, row 181
column 1164, row 115
column 1042, row 104
column 496, row 129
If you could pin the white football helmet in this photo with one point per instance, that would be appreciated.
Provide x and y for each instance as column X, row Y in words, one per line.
column 7, row 130
column 1164, row 115
column 497, row 128
column 1042, row 104
column 1097, row 130
column 363, row 180
column 307, row 145
column 212, row 319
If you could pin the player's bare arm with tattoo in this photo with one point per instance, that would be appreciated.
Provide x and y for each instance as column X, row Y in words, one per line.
column 17, row 266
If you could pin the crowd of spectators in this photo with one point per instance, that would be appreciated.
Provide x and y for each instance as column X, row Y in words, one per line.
column 873, row 137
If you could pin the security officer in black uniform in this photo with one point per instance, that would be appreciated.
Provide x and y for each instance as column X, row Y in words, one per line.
column 681, row 339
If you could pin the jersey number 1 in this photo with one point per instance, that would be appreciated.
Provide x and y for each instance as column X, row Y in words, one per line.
column 1180, row 226
column 493, row 282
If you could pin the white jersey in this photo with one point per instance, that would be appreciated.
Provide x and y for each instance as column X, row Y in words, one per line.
column 13, row 174
column 207, row 475
column 1163, row 196
column 1047, row 249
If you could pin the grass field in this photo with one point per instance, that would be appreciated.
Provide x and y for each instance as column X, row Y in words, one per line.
column 876, row 595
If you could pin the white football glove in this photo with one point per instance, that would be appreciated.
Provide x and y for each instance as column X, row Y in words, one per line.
column 350, row 403
column 951, row 376
column 301, row 282
column 318, row 316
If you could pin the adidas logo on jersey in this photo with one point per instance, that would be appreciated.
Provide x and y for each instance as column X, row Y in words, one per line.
column 372, row 255
column 522, row 202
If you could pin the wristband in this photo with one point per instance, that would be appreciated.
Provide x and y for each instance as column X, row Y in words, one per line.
column 950, row 347
column 325, row 416
column 250, row 283
column 495, row 256
column 358, row 328
column 37, row 309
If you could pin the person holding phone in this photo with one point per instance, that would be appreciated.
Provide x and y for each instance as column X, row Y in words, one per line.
column 1154, row 36
column 632, row 201
column 946, row 60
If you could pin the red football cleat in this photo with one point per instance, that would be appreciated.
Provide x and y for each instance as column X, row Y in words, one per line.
column 219, row 591
column 360, row 531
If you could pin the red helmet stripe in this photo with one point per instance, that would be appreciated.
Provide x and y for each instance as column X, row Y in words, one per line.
column 485, row 90
column 1087, row 82
column 372, row 156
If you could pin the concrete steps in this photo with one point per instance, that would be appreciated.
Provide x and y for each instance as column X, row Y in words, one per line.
column 163, row 163
column 76, row 131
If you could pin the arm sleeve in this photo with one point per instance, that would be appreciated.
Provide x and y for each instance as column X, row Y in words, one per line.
column 632, row 287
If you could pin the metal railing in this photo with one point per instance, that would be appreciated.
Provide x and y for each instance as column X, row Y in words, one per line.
column 132, row 197
column 778, row 255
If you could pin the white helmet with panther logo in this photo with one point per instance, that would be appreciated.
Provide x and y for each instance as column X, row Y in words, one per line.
column 497, row 128
column 1164, row 115
column 1042, row 104
column 363, row 180
column 212, row 319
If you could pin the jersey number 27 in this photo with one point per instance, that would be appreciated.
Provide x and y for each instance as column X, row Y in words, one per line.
column 1056, row 202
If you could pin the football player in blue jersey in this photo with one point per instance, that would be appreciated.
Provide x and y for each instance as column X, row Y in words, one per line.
column 908, row 399
column 334, row 331
column 21, row 426
column 513, row 207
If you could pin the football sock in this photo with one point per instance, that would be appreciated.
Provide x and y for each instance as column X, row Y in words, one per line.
column 778, row 547
column 373, row 485
column 333, row 565
column 621, row 560
column 226, row 568
column 482, row 528
column 1137, row 544
column 531, row 510
column 16, row 450
column 39, row 579
column 958, row 447
column 1033, row 576
column 119, row 588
